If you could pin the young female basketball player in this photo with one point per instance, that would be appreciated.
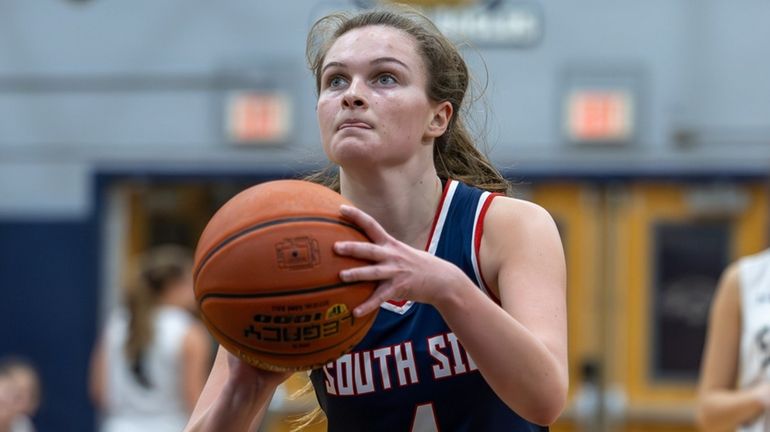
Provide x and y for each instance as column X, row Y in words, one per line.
column 471, row 331
column 151, row 362
column 734, row 388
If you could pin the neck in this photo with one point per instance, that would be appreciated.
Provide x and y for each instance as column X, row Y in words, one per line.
column 172, row 298
column 403, row 202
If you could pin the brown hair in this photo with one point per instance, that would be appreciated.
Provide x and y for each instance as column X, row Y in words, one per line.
column 454, row 153
column 156, row 271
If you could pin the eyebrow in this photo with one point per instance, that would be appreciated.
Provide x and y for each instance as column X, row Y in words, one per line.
column 373, row 62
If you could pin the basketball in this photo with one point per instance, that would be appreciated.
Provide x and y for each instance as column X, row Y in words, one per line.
column 267, row 279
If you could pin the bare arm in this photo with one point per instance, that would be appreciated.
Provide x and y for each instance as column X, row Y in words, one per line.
column 721, row 406
column 235, row 396
column 97, row 379
column 196, row 357
column 521, row 347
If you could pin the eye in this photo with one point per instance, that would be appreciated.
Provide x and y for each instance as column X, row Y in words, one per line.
column 336, row 81
column 386, row 79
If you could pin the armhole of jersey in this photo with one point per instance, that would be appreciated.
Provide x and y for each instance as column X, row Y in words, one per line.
column 440, row 217
column 747, row 279
column 751, row 275
column 742, row 287
column 478, row 232
column 400, row 307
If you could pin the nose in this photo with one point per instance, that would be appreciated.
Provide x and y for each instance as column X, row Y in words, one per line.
column 354, row 96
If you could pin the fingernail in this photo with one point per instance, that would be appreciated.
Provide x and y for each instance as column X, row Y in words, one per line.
column 344, row 275
column 358, row 312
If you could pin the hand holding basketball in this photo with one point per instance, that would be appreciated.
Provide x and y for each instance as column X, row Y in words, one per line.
column 267, row 278
column 403, row 272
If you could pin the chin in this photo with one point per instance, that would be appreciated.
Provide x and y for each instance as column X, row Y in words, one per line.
column 349, row 151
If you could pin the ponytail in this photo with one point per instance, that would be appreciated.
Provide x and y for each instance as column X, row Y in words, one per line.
column 158, row 269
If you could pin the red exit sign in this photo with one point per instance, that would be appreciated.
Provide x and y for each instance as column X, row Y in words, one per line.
column 254, row 117
column 599, row 115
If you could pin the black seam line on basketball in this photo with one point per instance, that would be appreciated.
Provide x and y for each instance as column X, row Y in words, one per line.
column 247, row 230
column 279, row 354
column 277, row 294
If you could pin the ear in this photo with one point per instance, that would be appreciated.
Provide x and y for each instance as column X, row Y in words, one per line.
column 442, row 113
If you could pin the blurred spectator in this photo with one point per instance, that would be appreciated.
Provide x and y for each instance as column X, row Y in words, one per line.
column 734, row 388
column 153, row 356
column 19, row 395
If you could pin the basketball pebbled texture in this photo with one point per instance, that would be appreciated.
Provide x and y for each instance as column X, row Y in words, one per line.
column 267, row 278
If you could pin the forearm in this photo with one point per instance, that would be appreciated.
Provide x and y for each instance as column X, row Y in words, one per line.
column 519, row 367
column 726, row 410
column 236, row 409
column 97, row 378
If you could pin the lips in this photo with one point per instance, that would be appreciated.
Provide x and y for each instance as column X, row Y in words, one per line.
column 354, row 123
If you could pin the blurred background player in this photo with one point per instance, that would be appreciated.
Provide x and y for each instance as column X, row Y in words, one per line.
column 734, row 388
column 153, row 356
column 19, row 395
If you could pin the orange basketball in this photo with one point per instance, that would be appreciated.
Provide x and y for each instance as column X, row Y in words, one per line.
column 267, row 280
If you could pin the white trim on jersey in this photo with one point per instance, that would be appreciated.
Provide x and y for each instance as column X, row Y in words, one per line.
column 436, row 234
column 474, row 258
column 396, row 308
column 434, row 239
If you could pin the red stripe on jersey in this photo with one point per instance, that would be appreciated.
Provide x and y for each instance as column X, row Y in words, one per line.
column 477, row 246
column 438, row 213
column 432, row 231
column 397, row 303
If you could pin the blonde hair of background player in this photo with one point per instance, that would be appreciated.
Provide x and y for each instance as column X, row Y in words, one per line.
column 163, row 276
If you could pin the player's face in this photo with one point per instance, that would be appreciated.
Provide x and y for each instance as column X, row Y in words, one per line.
column 24, row 382
column 373, row 105
column 7, row 394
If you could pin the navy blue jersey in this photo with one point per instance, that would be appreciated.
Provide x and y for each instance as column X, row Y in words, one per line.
column 410, row 372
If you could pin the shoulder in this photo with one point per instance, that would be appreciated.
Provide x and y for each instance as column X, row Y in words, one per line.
column 173, row 326
column 522, row 237
column 754, row 270
column 196, row 340
column 511, row 217
column 117, row 316
column 116, row 323
column 727, row 298
column 741, row 279
column 757, row 260
column 174, row 317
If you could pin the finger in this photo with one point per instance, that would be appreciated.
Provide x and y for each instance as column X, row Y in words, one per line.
column 380, row 296
column 371, row 227
column 366, row 273
column 365, row 251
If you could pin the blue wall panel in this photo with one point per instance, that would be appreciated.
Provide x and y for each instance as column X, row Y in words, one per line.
column 48, row 281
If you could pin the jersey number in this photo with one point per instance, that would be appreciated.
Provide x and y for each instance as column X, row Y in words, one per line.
column 424, row 419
